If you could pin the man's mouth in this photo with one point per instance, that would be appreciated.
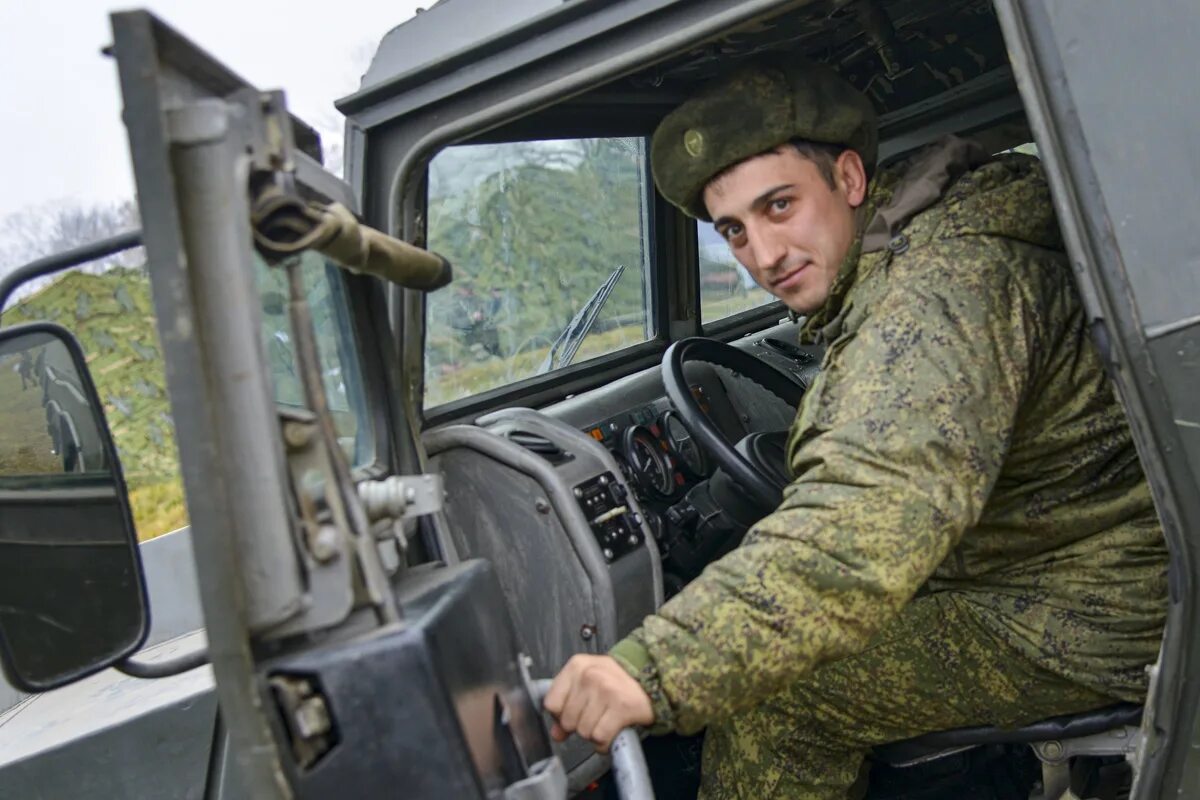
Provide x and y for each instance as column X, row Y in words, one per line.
column 791, row 277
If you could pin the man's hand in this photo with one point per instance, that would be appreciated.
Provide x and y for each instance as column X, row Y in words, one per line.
column 594, row 697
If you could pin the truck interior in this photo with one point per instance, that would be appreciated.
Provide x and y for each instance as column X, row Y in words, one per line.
column 594, row 403
column 537, row 461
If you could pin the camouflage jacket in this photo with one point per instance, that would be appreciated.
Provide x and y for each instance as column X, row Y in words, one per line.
column 962, row 436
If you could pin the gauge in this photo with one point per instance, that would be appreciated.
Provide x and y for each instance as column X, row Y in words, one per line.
column 649, row 465
column 685, row 447
column 623, row 465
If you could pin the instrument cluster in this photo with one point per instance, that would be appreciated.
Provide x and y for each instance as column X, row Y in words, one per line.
column 654, row 449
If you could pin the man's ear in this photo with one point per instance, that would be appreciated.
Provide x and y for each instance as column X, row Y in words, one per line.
column 851, row 177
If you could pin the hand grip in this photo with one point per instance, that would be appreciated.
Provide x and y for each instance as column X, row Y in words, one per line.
column 629, row 767
column 630, row 771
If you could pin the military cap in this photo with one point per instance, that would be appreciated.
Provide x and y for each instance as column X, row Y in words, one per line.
column 750, row 111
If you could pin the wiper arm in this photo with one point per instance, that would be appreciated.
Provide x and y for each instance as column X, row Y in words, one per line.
column 577, row 329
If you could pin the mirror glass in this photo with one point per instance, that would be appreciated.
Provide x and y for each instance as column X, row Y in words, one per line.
column 71, row 593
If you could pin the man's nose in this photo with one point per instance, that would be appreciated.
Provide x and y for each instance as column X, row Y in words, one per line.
column 767, row 246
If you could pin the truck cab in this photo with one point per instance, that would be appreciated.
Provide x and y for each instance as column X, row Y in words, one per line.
column 416, row 485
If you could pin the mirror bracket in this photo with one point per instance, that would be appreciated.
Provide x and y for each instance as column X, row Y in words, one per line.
column 163, row 669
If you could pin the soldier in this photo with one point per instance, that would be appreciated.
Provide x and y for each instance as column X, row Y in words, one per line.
column 968, row 537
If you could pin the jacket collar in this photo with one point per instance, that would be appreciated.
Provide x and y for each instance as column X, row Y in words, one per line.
column 895, row 196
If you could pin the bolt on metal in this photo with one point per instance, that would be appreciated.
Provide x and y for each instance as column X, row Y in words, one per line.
column 297, row 434
column 324, row 546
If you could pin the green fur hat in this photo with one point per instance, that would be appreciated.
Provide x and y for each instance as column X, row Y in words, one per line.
column 751, row 111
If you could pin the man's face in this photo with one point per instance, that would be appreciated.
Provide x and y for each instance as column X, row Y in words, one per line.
column 785, row 224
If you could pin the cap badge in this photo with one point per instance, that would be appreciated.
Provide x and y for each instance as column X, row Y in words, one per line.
column 693, row 142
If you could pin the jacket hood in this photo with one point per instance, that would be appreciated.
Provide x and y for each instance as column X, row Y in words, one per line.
column 983, row 195
column 956, row 189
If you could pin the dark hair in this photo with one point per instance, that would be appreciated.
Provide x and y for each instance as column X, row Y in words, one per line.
column 824, row 156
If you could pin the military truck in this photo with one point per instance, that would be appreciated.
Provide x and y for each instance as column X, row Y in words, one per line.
column 448, row 487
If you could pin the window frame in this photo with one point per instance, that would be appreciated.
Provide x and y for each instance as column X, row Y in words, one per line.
column 364, row 305
column 751, row 319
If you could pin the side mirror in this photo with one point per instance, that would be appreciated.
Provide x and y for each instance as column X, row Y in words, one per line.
column 72, row 596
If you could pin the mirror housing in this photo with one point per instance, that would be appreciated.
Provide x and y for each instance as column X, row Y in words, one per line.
column 72, row 594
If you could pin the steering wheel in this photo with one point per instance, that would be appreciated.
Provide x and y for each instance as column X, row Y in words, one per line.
column 757, row 481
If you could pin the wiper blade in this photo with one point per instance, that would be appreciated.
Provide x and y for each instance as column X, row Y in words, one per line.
column 563, row 351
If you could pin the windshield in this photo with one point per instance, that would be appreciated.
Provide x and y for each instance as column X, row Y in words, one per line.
column 536, row 231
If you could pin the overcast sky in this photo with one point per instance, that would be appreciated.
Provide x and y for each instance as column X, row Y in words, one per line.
column 61, row 136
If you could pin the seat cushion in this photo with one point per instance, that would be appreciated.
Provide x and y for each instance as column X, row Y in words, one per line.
column 1068, row 726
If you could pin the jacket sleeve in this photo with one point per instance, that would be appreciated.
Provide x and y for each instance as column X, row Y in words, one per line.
column 894, row 454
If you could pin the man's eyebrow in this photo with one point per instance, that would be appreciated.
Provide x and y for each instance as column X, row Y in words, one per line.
column 755, row 204
column 766, row 196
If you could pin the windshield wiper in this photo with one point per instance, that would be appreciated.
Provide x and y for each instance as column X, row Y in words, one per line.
column 567, row 344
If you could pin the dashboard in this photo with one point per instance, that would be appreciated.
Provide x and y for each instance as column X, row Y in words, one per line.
column 659, row 459
column 595, row 509
column 654, row 448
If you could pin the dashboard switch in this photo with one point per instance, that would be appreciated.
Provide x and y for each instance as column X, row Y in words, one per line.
column 681, row 515
column 618, row 530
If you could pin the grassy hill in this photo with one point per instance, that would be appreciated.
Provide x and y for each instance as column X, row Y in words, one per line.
column 113, row 317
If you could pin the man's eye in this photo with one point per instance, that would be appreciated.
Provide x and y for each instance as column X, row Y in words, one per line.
column 780, row 204
column 732, row 232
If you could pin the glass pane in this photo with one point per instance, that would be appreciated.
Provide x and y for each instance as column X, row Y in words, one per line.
column 538, row 233
column 335, row 345
column 48, row 426
column 726, row 288
column 1029, row 149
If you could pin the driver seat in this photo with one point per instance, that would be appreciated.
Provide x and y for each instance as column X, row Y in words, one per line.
column 1109, row 731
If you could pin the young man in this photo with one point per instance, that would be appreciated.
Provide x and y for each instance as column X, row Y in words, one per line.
column 961, row 440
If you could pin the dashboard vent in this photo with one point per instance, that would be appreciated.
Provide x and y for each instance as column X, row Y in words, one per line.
column 536, row 443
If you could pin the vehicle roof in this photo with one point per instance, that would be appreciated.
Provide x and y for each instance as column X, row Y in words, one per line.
column 447, row 27
column 915, row 59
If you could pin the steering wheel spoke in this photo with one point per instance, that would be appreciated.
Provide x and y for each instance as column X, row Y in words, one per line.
column 760, row 483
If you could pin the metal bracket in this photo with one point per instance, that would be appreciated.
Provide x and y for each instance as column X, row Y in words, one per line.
column 1116, row 742
column 402, row 496
column 271, row 130
column 306, row 716
column 323, row 544
column 1056, row 756
column 547, row 781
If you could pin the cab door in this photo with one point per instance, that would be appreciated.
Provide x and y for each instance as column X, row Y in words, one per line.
column 1110, row 90
column 339, row 667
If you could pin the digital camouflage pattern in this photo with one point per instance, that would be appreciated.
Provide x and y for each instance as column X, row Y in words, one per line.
column 751, row 111
column 961, row 441
column 935, row 666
